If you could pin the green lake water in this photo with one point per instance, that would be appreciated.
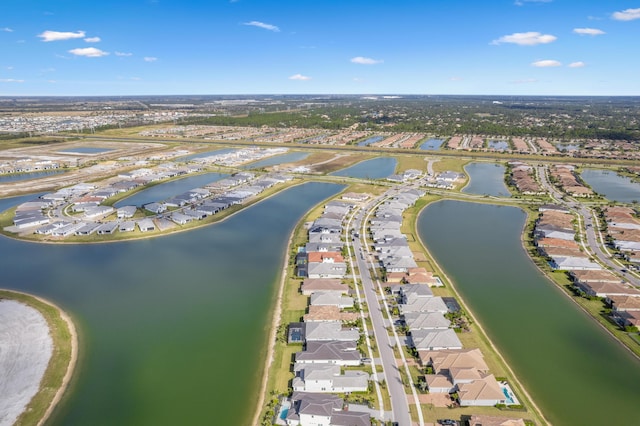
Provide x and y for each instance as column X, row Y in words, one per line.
column 486, row 179
column 611, row 185
column 173, row 329
column 576, row 372
column 376, row 168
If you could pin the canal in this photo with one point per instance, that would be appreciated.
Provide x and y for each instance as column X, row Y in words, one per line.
column 576, row 372
column 173, row 329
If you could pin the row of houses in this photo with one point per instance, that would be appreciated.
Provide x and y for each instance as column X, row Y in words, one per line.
column 329, row 331
column 444, row 180
column 454, row 369
column 28, row 165
column 555, row 239
column 623, row 227
column 195, row 204
column 566, row 178
column 424, row 315
column 391, row 246
column 522, row 176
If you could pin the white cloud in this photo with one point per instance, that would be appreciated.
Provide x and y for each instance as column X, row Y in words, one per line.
column 123, row 54
column 150, row 59
column 52, row 81
column 89, row 52
column 57, row 35
column 627, row 15
column 6, row 30
column 263, row 25
column 300, row 77
column 10, row 80
column 136, row 78
column 546, row 63
column 454, row 78
column 530, row 38
column 588, row 31
column 10, row 67
column 366, row 61
column 578, row 64
column 524, row 81
column 93, row 39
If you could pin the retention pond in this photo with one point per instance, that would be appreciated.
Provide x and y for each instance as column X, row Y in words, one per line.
column 172, row 329
column 576, row 372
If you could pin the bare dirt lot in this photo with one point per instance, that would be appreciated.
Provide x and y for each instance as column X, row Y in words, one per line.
column 25, row 350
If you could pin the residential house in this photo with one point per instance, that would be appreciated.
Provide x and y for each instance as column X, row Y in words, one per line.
column 343, row 353
column 327, row 378
column 319, row 409
column 329, row 313
column 485, row 420
column 127, row 226
column 426, row 320
column 325, row 331
column 146, row 225
column 424, row 304
column 126, row 212
column 309, row 286
column 107, row 228
column 484, row 392
column 326, row 270
column 321, row 298
column 425, row 339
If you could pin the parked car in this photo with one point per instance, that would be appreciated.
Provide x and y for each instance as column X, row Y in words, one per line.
column 448, row 422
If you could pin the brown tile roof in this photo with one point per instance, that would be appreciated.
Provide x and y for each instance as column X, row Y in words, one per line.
column 561, row 251
column 329, row 313
column 625, row 303
column 486, row 388
column 453, row 358
column 557, row 242
column 320, row 256
column 601, row 275
column 484, row 420
column 311, row 285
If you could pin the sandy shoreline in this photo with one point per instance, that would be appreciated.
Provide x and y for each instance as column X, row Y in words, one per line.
column 73, row 356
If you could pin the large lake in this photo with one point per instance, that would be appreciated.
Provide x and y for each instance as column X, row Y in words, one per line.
column 576, row 372
column 173, row 329
column 376, row 168
column 486, row 179
column 611, row 185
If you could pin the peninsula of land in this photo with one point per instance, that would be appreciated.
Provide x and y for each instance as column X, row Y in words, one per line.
column 40, row 351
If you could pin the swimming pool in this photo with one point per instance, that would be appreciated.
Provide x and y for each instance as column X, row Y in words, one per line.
column 507, row 396
column 283, row 413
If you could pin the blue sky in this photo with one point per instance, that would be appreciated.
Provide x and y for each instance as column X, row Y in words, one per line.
column 147, row 47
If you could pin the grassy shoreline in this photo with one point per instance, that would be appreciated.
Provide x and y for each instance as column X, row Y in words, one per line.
column 279, row 353
column 61, row 365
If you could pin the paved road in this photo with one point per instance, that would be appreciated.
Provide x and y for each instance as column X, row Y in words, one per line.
column 590, row 227
column 385, row 343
